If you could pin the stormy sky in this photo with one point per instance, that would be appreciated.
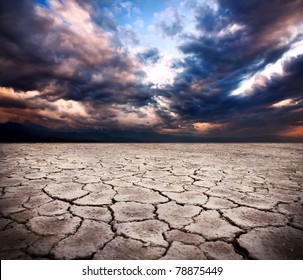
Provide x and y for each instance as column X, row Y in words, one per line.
column 201, row 68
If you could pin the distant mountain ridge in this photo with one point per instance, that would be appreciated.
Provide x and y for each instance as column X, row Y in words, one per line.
column 12, row 132
column 15, row 132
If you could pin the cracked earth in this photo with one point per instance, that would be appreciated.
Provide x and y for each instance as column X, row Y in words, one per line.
column 151, row 201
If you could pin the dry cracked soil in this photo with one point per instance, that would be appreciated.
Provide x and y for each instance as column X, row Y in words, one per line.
column 151, row 201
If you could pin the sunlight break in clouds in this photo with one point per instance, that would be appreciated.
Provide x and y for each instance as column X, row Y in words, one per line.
column 260, row 78
column 160, row 74
column 294, row 132
column 286, row 102
column 206, row 127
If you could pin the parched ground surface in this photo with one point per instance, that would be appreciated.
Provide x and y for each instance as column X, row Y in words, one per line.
column 151, row 201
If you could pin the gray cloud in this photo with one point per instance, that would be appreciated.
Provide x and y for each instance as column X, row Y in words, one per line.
column 169, row 22
column 151, row 55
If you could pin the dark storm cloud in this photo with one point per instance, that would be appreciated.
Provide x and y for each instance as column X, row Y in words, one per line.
column 18, row 50
column 237, row 41
column 38, row 53
column 260, row 14
column 239, row 33
column 60, row 67
column 280, row 88
column 243, row 116
column 248, row 115
column 208, row 19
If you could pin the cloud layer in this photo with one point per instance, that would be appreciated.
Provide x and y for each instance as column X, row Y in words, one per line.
column 225, row 69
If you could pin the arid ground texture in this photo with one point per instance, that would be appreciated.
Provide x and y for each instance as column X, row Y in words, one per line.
column 151, row 201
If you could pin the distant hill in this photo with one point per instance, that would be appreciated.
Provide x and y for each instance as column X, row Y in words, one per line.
column 15, row 132
column 12, row 132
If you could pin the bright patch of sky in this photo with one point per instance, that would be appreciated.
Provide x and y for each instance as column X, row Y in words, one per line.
column 156, row 24
column 143, row 24
column 161, row 24
column 43, row 3
column 260, row 78
column 137, row 24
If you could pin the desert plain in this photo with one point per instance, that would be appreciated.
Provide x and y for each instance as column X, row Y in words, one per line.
column 151, row 201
